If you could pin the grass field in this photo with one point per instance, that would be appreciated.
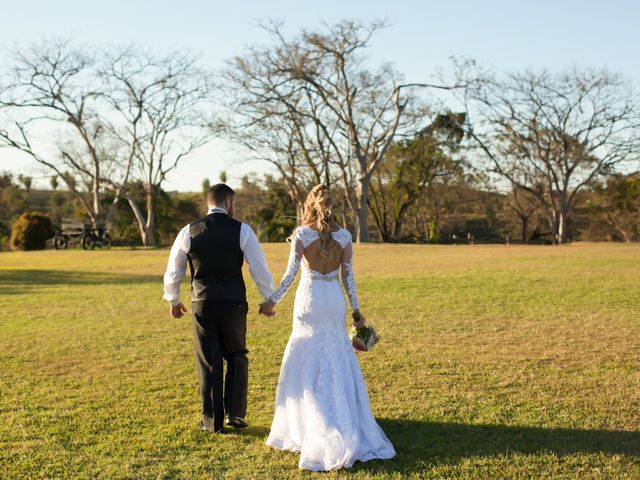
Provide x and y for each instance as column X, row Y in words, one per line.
column 495, row 362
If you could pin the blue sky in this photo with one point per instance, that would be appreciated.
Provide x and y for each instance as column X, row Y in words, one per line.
column 503, row 35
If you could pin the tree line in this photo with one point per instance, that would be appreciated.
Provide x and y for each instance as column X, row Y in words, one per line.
column 455, row 209
column 405, row 159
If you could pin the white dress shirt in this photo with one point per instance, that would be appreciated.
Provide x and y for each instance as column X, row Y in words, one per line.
column 253, row 254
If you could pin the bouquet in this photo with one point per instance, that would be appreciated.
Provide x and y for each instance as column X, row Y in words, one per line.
column 363, row 338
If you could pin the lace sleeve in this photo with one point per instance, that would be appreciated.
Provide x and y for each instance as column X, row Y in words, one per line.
column 348, row 278
column 295, row 257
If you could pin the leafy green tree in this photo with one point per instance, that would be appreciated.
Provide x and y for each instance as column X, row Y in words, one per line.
column 174, row 211
column 410, row 166
column 13, row 199
column 6, row 180
column 267, row 206
column 26, row 181
column 206, row 185
column 185, row 209
column 278, row 215
column 60, row 205
column 617, row 203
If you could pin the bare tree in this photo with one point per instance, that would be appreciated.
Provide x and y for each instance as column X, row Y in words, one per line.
column 51, row 86
column 118, row 115
column 282, row 143
column 161, row 105
column 318, row 83
column 552, row 135
column 279, row 121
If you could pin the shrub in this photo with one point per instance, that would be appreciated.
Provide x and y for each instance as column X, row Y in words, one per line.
column 31, row 232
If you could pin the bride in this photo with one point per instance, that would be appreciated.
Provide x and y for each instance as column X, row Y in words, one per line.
column 322, row 407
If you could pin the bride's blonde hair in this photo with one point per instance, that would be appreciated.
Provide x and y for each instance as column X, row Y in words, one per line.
column 318, row 213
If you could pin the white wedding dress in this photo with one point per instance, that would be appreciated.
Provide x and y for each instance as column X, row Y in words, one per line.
column 322, row 407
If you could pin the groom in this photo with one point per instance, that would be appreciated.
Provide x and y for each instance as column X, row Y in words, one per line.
column 215, row 247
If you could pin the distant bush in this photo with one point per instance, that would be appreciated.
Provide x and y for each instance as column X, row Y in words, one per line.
column 31, row 232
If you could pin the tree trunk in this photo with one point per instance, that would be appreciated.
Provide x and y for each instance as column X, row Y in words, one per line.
column 380, row 223
column 363, row 227
column 96, row 196
column 137, row 213
column 561, row 225
column 108, row 220
column 149, row 237
column 299, row 212
column 362, row 214
column 563, row 221
column 377, row 205
column 525, row 222
column 552, row 218
column 625, row 236
column 397, row 230
column 345, row 207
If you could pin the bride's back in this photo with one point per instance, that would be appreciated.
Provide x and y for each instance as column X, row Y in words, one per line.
column 318, row 262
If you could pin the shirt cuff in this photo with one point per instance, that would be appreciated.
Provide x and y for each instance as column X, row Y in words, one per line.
column 274, row 300
column 268, row 296
column 173, row 301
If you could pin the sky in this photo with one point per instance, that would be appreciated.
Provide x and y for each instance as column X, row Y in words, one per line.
column 501, row 35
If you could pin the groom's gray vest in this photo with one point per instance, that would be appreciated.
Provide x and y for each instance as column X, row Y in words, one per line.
column 216, row 259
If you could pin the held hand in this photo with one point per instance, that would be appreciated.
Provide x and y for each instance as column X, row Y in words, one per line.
column 359, row 320
column 268, row 309
column 178, row 311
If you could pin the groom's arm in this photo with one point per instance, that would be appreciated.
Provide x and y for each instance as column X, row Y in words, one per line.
column 254, row 255
column 176, row 267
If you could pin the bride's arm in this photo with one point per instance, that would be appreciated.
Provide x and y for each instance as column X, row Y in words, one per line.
column 348, row 278
column 295, row 257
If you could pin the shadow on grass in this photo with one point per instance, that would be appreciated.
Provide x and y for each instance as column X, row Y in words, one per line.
column 420, row 443
column 250, row 431
column 14, row 281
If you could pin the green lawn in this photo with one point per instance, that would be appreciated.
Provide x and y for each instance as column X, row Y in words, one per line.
column 495, row 362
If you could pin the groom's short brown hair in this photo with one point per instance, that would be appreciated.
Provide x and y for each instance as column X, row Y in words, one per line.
column 218, row 193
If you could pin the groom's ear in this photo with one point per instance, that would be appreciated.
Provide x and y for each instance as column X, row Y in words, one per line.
column 230, row 202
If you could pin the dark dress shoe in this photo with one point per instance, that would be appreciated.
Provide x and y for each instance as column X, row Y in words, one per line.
column 237, row 422
column 207, row 424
